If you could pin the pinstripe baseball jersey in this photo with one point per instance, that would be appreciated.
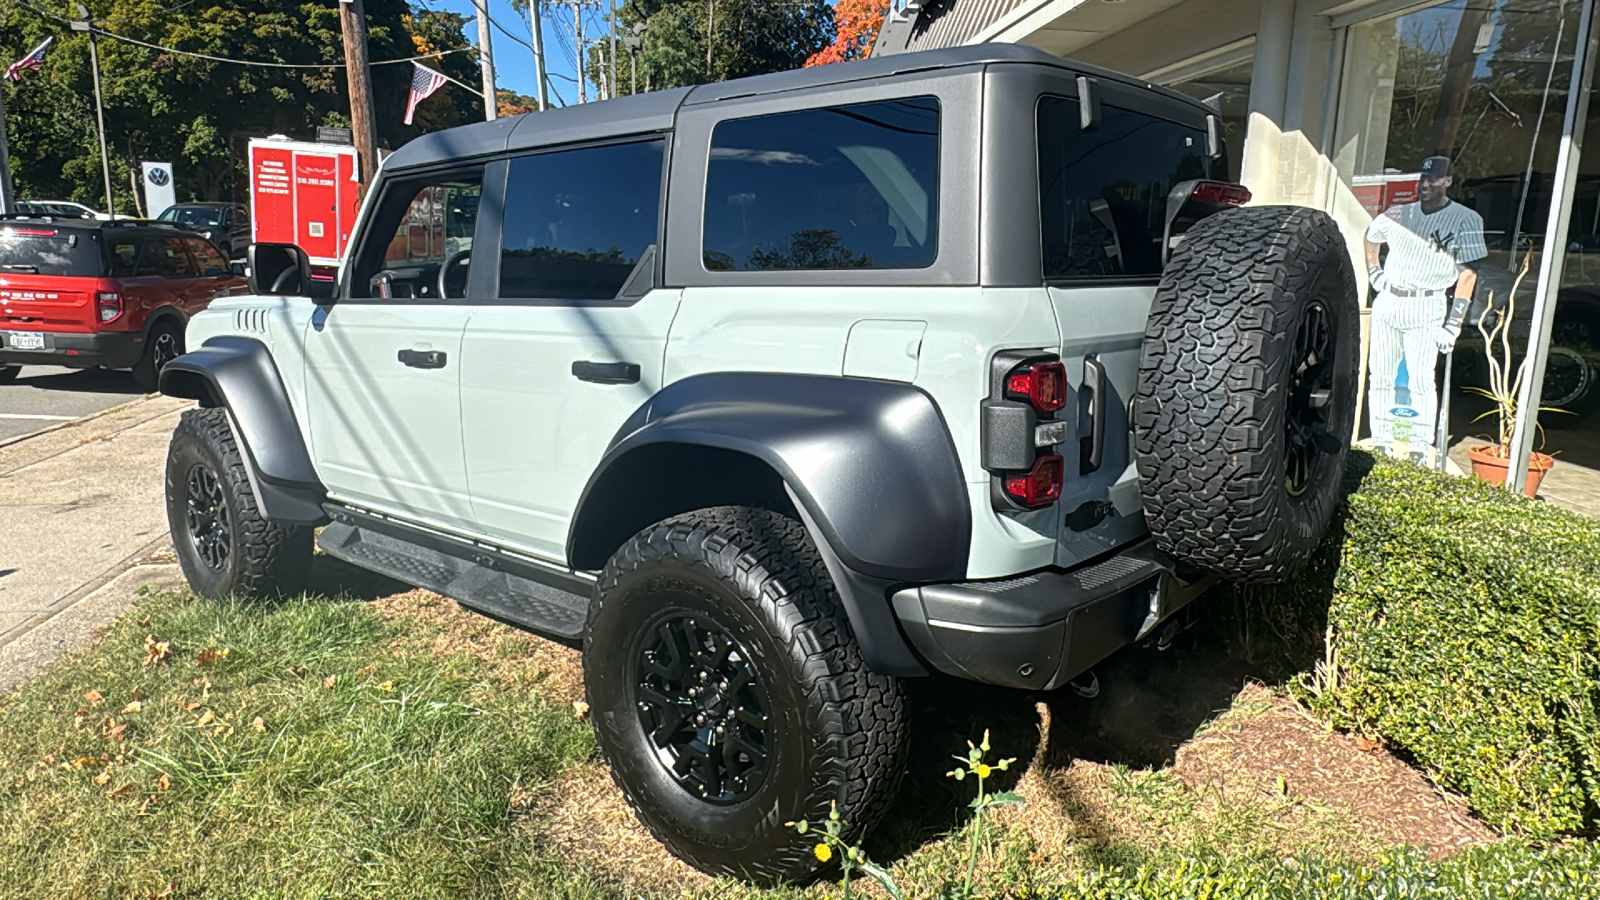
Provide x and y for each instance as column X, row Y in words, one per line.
column 1428, row 250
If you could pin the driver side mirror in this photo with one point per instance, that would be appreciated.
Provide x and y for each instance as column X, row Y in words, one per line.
column 283, row 270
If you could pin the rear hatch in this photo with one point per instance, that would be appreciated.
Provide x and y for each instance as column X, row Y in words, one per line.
column 1103, row 207
column 48, row 277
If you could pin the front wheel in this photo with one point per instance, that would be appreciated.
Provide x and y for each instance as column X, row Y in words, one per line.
column 224, row 546
column 729, row 696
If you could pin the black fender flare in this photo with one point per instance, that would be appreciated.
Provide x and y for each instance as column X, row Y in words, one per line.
column 869, row 467
column 239, row 375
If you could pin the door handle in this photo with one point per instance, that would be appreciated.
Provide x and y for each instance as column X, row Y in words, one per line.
column 606, row 373
column 1092, row 444
column 423, row 359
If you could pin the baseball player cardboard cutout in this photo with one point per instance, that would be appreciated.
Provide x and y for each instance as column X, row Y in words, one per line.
column 1421, row 293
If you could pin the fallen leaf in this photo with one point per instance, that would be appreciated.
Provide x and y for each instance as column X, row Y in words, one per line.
column 164, row 783
column 187, row 705
column 1366, row 746
column 83, row 761
column 102, row 778
column 135, row 695
column 120, row 790
column 205, row 718
column 133, row 707
column 155, row 652
column 93, row 697
column 210, row 655
column 257, row 724
column 79, row 717
column 386, row 686
column 327, row 683
column 579, row 709
column 297, row 671
column 116, row 731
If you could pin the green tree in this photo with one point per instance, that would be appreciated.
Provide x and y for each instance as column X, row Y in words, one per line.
column 199, row 113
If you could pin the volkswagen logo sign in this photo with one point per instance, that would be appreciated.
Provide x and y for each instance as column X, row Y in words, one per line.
column 158, row 177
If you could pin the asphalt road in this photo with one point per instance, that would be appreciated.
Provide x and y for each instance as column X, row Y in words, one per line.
column 42, row 396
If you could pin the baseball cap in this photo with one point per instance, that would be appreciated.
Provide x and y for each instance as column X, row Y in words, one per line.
column 1436, row 167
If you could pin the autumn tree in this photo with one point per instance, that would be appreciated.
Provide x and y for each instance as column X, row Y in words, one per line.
column 856, row 24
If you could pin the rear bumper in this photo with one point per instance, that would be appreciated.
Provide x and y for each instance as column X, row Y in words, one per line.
column 1037, row 631
column 112, row 349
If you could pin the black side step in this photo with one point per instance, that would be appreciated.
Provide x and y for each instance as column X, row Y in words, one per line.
column 497, row 594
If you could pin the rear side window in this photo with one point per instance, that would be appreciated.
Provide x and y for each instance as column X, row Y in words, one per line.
column 166, row 258
column 847, row 187
column 124, row 253
column 46, row 250
column 577, row 221
column 1103, row 191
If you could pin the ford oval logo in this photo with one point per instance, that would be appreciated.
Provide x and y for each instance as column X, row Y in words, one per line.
column 158, row 177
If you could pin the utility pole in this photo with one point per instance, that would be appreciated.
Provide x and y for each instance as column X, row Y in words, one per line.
column 711, row 31
column 486, row 59
column 353, row 22
column 536, row 25
column 611, row 66
column 82, row 24
column 577, row 21
column 8, row 197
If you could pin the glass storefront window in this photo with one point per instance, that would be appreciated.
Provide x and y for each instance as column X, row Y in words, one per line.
column 1227, row 90
column 1448, row 129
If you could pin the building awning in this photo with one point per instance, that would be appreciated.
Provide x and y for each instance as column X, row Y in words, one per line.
column 1058, row 26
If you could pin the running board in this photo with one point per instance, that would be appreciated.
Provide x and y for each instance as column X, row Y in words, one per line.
column 498, row 594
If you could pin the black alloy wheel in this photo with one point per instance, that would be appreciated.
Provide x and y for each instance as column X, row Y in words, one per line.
column 703, row 707
column 1307, row 417
column 164, row 349
column 207, row 518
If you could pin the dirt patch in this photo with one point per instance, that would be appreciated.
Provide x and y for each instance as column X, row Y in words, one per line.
column 516, row 658
column 1279, row 750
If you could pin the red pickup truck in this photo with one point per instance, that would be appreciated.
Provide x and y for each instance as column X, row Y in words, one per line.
column 115, row 294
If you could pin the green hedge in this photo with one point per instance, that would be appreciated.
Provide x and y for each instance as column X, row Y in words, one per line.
column 1506, row 870
column 1464, row 627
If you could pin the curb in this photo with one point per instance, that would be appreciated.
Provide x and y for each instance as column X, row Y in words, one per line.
column 82, row 591
column 70, row 423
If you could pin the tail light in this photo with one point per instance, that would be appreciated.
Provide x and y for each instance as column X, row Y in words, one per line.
column 1042, row 384
column 1220, row 193
column 109, row 304
column 1039, row 486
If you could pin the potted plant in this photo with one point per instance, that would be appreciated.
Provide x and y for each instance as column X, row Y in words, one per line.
column 1492, row 462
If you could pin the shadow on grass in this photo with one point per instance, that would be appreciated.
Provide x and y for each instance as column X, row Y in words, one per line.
column 1150, row 703
column 336, row 579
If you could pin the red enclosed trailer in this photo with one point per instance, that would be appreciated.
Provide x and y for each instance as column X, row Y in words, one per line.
column 304, row 194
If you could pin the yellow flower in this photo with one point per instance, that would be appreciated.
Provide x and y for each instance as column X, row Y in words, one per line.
column 823, row 852
column 984, row 770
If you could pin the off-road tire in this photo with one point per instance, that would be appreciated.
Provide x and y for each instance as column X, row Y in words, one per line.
column 1217, row 391
column 262, row 557
column 9, row 373
column 836, row 730
column 163, row 344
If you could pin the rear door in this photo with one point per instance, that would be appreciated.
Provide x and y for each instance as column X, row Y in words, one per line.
column 574, row 341
column 48, row 278
column 1103, row 197
column 316, row 198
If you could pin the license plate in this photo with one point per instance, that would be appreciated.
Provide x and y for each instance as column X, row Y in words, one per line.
column 25, row 340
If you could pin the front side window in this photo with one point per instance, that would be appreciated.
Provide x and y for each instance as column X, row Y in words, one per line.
column 1103, row 191
column 847, row 187
column 165, row 257
column 419, row 226
column 207, row 256
column 578, row 221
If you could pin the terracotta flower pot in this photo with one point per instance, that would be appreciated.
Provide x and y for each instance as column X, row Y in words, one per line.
column 1488, row 465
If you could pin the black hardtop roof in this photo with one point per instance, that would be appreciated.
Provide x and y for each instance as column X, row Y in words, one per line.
column 119, row 226
column 207, row 203
column 657, row 110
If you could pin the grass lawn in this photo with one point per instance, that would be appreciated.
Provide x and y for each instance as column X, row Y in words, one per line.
column 404, row 748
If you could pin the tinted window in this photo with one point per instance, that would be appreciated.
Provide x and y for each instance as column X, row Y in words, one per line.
column 207, row 256
column 417, row 225
column 193, row 216
column 165, row 257
column 577, row 222
column 1103, row 192
column 37, row 248
column 124, row 254
column 849, row 187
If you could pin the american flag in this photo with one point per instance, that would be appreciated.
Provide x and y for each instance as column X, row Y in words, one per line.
column 32, row 61
column 424, row 81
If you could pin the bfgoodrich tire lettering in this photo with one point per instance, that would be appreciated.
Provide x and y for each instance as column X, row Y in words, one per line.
column 1247, row 386
column 832, row 729
column 224, row 545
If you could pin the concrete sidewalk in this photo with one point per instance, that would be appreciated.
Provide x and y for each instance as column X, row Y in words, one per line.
column 79, row 505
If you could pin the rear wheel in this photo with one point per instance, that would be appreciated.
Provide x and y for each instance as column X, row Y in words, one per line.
column 163, row 345
column 224, row 546
column 1247, row 389
column 729, row 696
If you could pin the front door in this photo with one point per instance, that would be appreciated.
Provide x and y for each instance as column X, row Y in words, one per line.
column 575, row 339
column 383, row 363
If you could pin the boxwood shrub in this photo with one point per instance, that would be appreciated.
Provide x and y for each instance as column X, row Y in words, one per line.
column 1464, row 629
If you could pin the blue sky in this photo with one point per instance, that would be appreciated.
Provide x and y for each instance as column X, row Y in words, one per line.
column 513, row 62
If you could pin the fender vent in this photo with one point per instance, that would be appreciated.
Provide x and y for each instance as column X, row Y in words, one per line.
column 251, row 320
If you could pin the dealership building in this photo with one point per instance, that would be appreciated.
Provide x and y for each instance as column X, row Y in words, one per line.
column 1335, row 105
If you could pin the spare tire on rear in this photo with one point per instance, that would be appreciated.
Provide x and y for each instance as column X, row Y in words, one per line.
column 1247, row 390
